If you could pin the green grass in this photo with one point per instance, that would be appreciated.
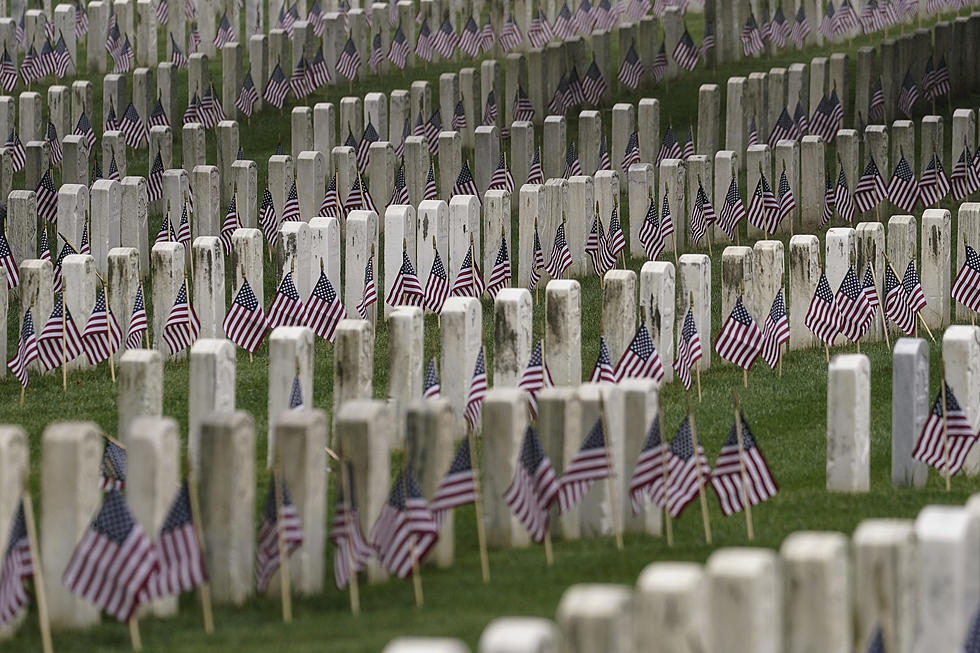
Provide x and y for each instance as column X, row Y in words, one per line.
column 788, row 416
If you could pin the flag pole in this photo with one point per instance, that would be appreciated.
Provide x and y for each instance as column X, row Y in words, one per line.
column 918, row 315
column 942, row 391
column 697, row 466
column 352, row 582
column 416, row 573
column 697, row 365
column 666, row 475
column 374, row 313
column 284, row 579
column 108, row 333
column 64, row 342
column 610, row 476
column 666, row 193
column 741, row 463
column 42, row 598
column 134, row 633
column 481, row 535
column 881, row 303
column 205, row 587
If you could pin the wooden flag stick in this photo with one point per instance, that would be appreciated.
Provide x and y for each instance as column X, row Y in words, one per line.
column 610, row 479
column 134, row 633
column 741, row 463
column 697, row 365
column 284, row 579
column 667, row 192
column 481, row 534
column 205, row 588
column 64, row 343
column 918, row 315
column 697, row 466
column 668, row 522
column 42, row 598
column 108, row 332
column 942, row 391
column 881, row 302
column 355, row 592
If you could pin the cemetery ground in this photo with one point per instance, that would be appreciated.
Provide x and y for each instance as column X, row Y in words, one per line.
column 787, row 415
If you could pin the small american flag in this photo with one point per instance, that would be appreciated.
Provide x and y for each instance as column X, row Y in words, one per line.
column 842, row 198
column 102, row 336
column 688, row 349
column 281, row 519
column 490, row 109
column 502, row 178
column 913, row 287
column 898, row 306
column 324, row 310
column 940, row 81
column 398, row 52
column 369, row 295
column 560, row 102
column 247, row 96
column 650, row 234
column 870, row 190
column 66, row 250
column 437, row 285
column 523, row 109
column 670, row 148
column 733, row 211
column 330, row 206
column 177, row 56
column 47, row 199
column 178, row 551
column 54, row 144
column 632, row 154
column 166, row 233
column 821, row 317
column 465, row 185
column 500, row 275
column 876, row 109
column 133, row 127
column 8, row 72
column 228, row 226
column 539, row 32
column 775, row 332
column 853, row 310
column 458, row 486
column 640, row 360
column 296, row 395
column 84, row 128
column 469, row 40
column 469, row 282
column 616, row 239
column 290, row 210
column 510, row 34
column 604, row 162
column 182, row 327
column 16, row 568
column 210, row 112
column 31, row 69
column 561, row 256
column 277, row 88
column 423, row 46
column 487, row 37
column 563, row 27
column 477, row 392
column 779, row 28
column 158, row 117
column 802, row 124
column 137, row 322
column 184, row 230
column 603, row 370
column 741, row 472
column 649, row 474
column 829, row 202
column 575, row 95
column 593, row 85
column 708, row 42
column 430, row 192
column 113, row 564
column 966, row 287
column 299, row 81
column 573, row 167
column 376, row 56
column 763, row 206
column 909, row 95
column 740, row 339
column 702, row 215
column 352, row 551
column 406, row 530
column 163, row 12
column 535, row 173
column 590, row 464
column 687, row 469
column 7, row 262
column 827, row 117
column 432, row 129
column 59, row 341
column 686, row 54
column 318, row 71
column 534, row 487
column 225, row 34
column 945, row 449
column 597, row 249
column 246, row 324
column 963, row 182
column 193, row 111
column 751, row 37
column 445, row 40
column 534, row 378
column 406, row 291
column 430, row 386
column 659, row 67
column 17, row 152
column 537, row 261
column 784, row 129
column 631, row 69
column 934, row 186
column 27, row 351
column 268, row 219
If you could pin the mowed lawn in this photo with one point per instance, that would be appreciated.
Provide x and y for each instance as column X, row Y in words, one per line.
column 787, row 415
